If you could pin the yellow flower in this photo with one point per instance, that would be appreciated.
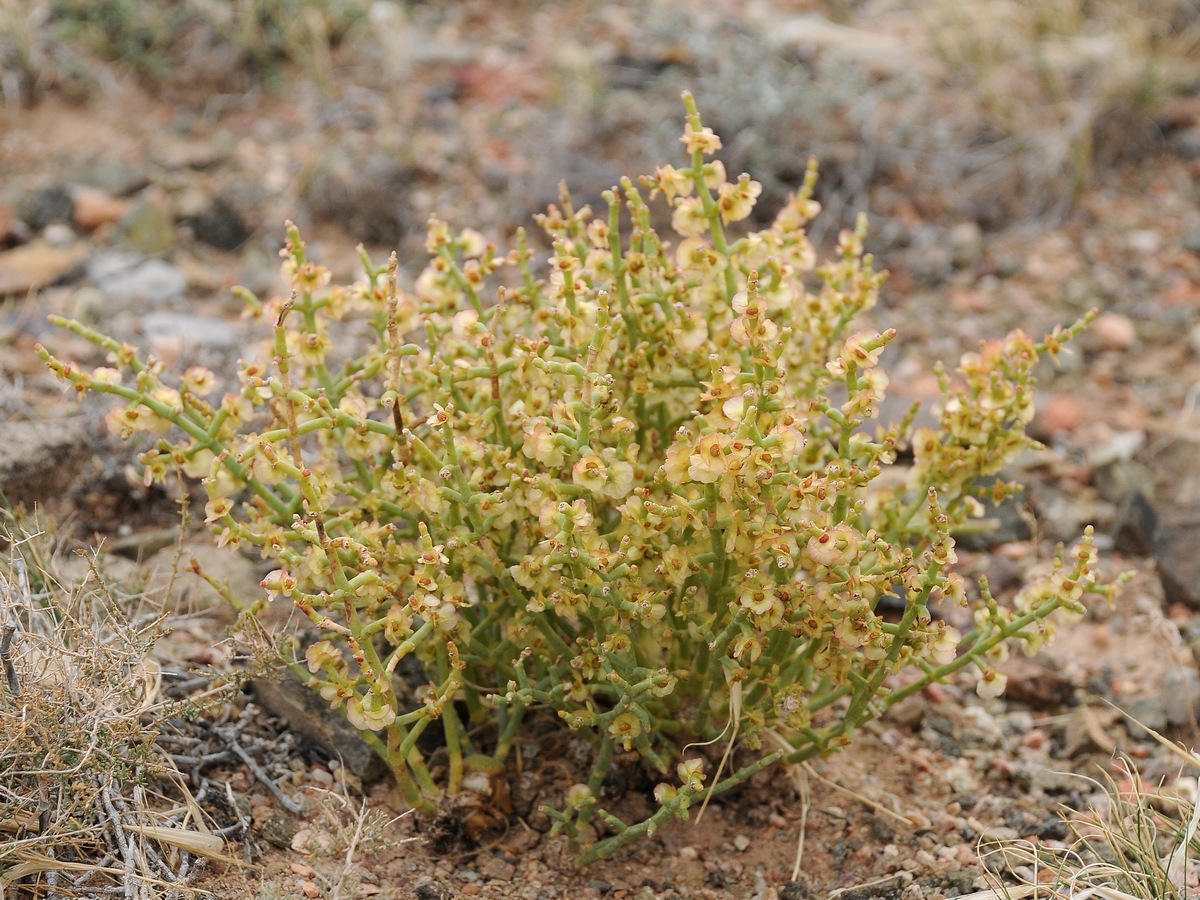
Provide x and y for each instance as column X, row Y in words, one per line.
column 714, row 174
column 689, row 218
column 862, row 349
column 398, row 624
column 708, row 463
column 942, row 647
column 624, row 728
column 313, row 348
column 837, row 546
column 472, row 242
column 321, row 654
column 278, row 582
column 790, row 440
column 672, row 183
column 362, row 444
column 746, row 649
column 590, row 473
column 371, row 712
column 690, row 332
column 703, row 140
column 991, row 683
column 540, row 445
column 691, row 774
column 309, row 277
column 200, row 380
column 217, row 508
column 737, row 200
column 757, row 598
column 620, row 478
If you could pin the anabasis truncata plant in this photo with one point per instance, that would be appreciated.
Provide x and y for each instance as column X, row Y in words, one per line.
column 624, row 492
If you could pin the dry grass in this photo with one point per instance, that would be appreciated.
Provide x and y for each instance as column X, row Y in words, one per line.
column 1067, row 85
column 89, row 805
column 1137, row 842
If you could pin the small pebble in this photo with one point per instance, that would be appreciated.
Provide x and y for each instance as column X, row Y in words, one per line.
column 1114, row 331
column 93, row 208
column 690, row 852
column 1144, row 241
column 59, row 235
column 1061, row 413
column 1035, row 740
column 742, row 843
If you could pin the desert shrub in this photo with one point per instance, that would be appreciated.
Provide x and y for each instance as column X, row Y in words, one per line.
column 641, row 492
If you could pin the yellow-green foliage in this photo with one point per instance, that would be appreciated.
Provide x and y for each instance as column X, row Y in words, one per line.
column 622, row 492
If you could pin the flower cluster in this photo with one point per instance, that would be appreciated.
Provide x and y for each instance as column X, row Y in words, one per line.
column 641, row 490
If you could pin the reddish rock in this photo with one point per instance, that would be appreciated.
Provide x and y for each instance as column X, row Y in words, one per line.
column 1060, row 413
column 1114, row 331
column 94, row 207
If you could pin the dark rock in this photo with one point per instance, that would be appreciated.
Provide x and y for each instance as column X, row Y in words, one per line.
column 1006, row 523
column 1135, row 526
column 220, row 226
column 796, row 890
column 311, row 718
column 367, row 198
column 497, row 869
column 884, row 889
column 930, row 263
column 1129, row 486
column 431, row 890
column 1035, row 685
column 1051, row 828
column 38, row 459
column 1175, row 465
column 1175, row 545
column 111, row 176
column 909, row 712
column 50, row 204
column 1003, row 575
column 279, row 829
column 1187, row 143
column 958, row 883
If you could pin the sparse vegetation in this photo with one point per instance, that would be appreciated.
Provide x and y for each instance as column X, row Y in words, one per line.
column 87, row 798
